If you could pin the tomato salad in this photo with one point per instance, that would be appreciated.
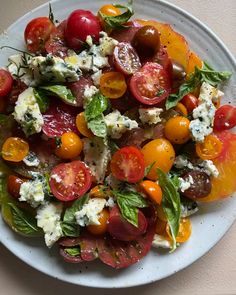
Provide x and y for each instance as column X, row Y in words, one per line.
column 112, row 132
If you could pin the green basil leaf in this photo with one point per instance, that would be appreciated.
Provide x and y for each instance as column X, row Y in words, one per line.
column 69, row 216
column 95, row 107
column 42, row 100
column 129, row 213
column 170, row 204
column 73, row 251
column 112, row 146
column 61, row 91
column 70, row 229
column 98, row 126
column 205, row 74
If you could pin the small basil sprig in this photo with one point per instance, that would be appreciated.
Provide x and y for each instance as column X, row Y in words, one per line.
column 170, row 203
column 205, row 74
column 42, row 100
column 62, row 92
column 118, row 22
column 73, row 251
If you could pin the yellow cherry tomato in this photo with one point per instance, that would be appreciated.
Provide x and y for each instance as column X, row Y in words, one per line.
column 81, row 125
column 99, row 229
column 110, row 10
column 152, row 190
column 177, row 130
column 100, row 191
column 185, row 230
column 161, row 227
column 113, row 84
column 70, row 147
column 160, row 152
column 210, row 148
column 15, row 149
column 180, row 108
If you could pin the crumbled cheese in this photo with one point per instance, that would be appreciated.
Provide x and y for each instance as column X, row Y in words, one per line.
column 150, row 115
column 83, row 61
column 89, row 41
column 110, row 202
column 106, row 44
column 185, row 183
column 182, row 162
column 89, row 214
column 48, row 218
column 31, row 160
column 209, row 167
column 27, row 112
column 188, row 208
column 97, row 155
column 161, row 242
column 56, row 177
column 96, row 77
column 118, row 124
column 99, row 60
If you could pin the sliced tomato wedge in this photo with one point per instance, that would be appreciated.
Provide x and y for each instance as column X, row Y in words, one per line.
column 6, row 82
column 225, row 118
column 70, row 181
column 126, row 59
column 127, row 164
column 126, row 35
column 151, row 85
column 163, row 59
column 58, row 119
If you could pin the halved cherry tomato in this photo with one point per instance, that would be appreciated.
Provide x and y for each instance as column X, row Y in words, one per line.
column 74, row 180
column 70, row 146
column 37, row 32
column 152, row 190
column 190, row 101
column 185, row 230
column 126, row 59
column 161, row 153
column 13, row 185
column 210, row 148
column 180, row 108
column 150, row 85
column 225, row 118
column 177, row 130
column 113, row 85
column 14, row 149
column 100, row 229
column 109, row 10
column 81, row 125
column 127, row 164
column 100, row 191
column 6, row 82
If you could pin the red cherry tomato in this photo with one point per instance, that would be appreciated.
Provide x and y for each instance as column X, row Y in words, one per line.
column 17, row 88
column 150, row 85
column 126, row 59
column 80, row 24
column 190, row 102
column 6, row 82
column 225, row 118
column 127, row 164
column 70, row 181
column 37, row 32
column 13, row 185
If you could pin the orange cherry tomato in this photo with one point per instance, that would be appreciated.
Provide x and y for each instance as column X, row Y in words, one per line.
column 160, row 152
column 190, row 101
column 161, row 227
column 210, row 148
column 185, row 230
column 180, row 108
column 152, row 190
column 81, row 125
column 99, row 229
column 113, row 84
column 14, row 149
column 177, row 130
column 99, row 191
column 70, row 147
column 160, row 213
column 110, row 10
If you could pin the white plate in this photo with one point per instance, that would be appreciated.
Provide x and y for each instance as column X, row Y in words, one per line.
column 209, row 225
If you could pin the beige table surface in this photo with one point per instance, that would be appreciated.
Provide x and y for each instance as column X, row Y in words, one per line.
column 215, row 273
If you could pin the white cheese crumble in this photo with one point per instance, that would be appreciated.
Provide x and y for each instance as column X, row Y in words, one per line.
column 161, row 242
column 89, row 214
column 48, row 218
column 27, row 112
column 185, row 183
column 110, row 202
column 56, row 177
column 203, row 115
column 31, row 160
column 97, row 155
column 96, row 77
column 89, row 92
column 209, row 167
column 150, row 115
column 118, row 124
column 182, row 162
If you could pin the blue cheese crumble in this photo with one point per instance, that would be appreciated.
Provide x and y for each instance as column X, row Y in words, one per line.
column 185, row 183
column 31, row 160
column 150, row 115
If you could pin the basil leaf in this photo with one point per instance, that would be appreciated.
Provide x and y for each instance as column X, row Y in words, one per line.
column 42, row 100
column 148, row 169
column 69, row 216
column 70, row 229
column 95, row 107
column 112, row 146
column 205, row 74
column 117, row 22
column 24, row 222
column 170, row 204
column 75, row 251
column 129, row 213
column 98, row 126
column 61, row 91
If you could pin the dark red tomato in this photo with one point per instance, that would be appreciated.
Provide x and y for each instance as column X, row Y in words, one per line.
column 127, row 34
column 126, row 59
column 17, row 88
column 121, row 229
column 70, row 181
column 150, row 85
column 127, row 164
column 225, row 118
column 56, row 44
column 134, row 137
column 163, row 59
column 37, row 32
column 78, row 88
column 58, row 119
column 81, row 24
column 190, row 102
column 6, row 82
column 13, row 185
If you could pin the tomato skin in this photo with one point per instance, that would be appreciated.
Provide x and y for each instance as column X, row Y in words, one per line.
column 77, row 88
column 225, row 118
column 100, row 229
column 13, row 185
column 127, row 164
column 113, row 84
column 6, row 82
column 190, row 102
column 70, row 147
column 37, row 32
column 177, row 130
column 82, row 127
column 80, row 24
column 210, row 148
column 75, row 180
column 180, row 108
column 109, row 10
column 15, row 149
column 146, row 84
column 152, row 190
column 185, row 230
